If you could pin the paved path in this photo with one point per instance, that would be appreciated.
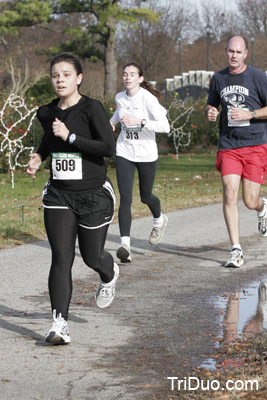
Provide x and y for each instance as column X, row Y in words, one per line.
column 159, row 325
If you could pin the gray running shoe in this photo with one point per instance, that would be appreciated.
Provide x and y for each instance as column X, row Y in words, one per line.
column 59, row 333
column 106, row 291
column 124, row 254
column 236, row 259
column 157, row 233
column 262, row 221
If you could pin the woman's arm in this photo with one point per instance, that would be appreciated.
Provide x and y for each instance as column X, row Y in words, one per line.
column 160, row 125
column 158, row 120
column 115, row 119
column 34, row 164
column 43, row 150
column 103, row 142
column 37, row 158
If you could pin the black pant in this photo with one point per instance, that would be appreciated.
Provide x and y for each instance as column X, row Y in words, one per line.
column 125, row 171
column 62, row 229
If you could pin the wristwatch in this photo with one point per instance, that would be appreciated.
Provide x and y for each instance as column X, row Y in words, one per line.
column 143, row 123
column 254, row 115
column 72, row 138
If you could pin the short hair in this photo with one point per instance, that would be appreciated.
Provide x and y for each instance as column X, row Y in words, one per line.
column 69, row 58
column 243, row 37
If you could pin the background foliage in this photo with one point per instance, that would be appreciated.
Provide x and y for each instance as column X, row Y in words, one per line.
column 163, row 37
column 160, row 36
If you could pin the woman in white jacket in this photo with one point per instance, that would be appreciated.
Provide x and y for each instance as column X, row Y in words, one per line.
column 140, row 115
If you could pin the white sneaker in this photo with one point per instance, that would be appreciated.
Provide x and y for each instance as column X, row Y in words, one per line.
column 106, row 291
column 262, row 221
column 59, row 333
column 124, row 254
column 157, row 233
column 236, row 259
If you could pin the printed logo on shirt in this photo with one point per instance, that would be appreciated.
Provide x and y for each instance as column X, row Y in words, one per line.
column 234, row 95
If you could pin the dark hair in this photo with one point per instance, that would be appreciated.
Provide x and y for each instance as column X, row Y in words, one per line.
column 69, row 58
column 145, row 84
column 243, row 37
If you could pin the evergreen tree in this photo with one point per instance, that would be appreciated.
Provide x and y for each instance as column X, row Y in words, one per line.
column 95, row 35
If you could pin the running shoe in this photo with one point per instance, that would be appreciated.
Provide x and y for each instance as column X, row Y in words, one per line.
column 157, row 233
column 59, row 333
column 106, row 291
column 262, row 223
column 236, row 259
column 124, row 254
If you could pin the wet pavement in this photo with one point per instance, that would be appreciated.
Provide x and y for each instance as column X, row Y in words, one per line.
column 171, row 306
column 242, row 314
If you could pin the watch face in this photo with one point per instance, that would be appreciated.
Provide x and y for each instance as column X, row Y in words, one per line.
column 72, row 138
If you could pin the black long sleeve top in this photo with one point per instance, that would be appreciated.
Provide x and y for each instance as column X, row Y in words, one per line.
column 94, row 141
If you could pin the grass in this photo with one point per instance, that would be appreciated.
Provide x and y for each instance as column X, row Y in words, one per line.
column 186, row 182
column 21, row 224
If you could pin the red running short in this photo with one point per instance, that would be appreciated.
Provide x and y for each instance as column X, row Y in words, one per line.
column 248, row 162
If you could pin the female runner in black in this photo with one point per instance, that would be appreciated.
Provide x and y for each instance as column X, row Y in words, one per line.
column 78, row 198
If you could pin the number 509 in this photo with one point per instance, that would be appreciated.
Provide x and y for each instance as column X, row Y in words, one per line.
column 65, row 165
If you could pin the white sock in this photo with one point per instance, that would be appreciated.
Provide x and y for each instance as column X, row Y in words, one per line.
column 158, row 222
column 125, row 241
column 236, row 246
column 263, row 212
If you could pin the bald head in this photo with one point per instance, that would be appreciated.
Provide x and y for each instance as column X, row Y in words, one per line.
column 236, row 53
column 239, row 37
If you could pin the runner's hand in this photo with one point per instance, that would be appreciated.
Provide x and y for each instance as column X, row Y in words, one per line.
column 60, row 129
column 212, row 114
column 34, row 164
column 128, row 120
column 112, row 125
column 238, row 114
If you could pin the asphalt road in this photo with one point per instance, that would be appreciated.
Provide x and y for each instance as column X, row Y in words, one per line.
column 161, row 323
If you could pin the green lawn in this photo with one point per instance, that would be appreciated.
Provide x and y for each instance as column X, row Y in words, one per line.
column 181, row 183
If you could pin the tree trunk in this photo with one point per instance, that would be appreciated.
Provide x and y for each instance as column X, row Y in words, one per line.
column 110, row 63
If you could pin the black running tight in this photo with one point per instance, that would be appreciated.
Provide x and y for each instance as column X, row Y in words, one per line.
column 62, row 229
column 125, row 171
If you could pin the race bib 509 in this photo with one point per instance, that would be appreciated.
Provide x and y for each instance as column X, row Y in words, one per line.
column 67, row 166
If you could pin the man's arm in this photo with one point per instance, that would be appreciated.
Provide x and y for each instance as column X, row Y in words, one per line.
column 261, row 113
column 242, row 115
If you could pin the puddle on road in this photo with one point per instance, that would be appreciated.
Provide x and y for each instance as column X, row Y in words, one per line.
column 242, row 314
